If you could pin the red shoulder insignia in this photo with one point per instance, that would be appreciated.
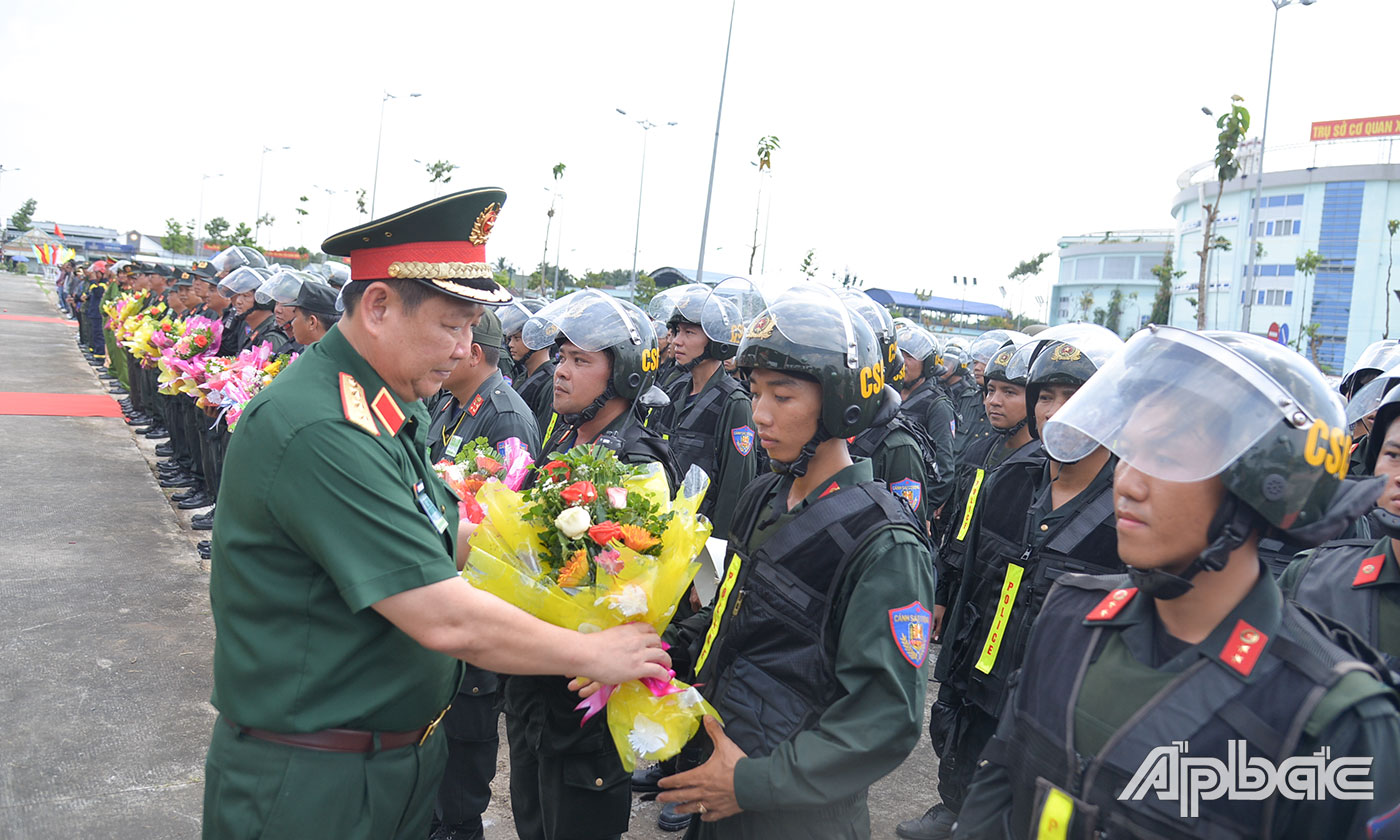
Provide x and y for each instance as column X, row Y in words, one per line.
column 475, row 406
column 828, row 491
column 388, row 411
column 352, row 400
column 1243, row 647
column 1112, row 605
column 1369, row 570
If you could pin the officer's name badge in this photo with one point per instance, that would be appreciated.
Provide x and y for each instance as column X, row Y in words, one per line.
column 911, row 627
column 434, row 515
column 743, row 439
column 910, row 490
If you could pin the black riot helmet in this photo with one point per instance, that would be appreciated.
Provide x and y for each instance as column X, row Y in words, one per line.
column 593, row 321
column 1184, row 406
column 919, row 344
column 807, row 330
column 1377, row 357
column 686, row 305
column 1067, row 354
column 878, row 319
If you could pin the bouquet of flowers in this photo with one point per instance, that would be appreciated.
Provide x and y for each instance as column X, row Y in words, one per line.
column 231, row 383
column 479, row 462
column 140, row 329
column 594, row 544
column 181, row 363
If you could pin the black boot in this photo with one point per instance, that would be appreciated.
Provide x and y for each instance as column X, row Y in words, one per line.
column 936, row 824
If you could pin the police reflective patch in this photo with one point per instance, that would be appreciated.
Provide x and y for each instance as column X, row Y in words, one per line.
column 910, row 490
column 743, row 439
column 910, row 625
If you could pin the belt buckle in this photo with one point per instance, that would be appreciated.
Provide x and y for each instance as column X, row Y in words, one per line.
column 432, row 727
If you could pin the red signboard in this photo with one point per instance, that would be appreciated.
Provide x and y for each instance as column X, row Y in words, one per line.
column 284, row 255
column 1352, row 129
column 1273, row 331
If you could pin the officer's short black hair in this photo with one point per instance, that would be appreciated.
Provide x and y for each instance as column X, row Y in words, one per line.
column 489, row 355
column 411, row 292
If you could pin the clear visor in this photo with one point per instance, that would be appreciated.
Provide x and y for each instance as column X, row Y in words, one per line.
column 1365, row 402
column 1380, row 355
column 590, row 320
column 1175, row 405
column 283, row 287
column 729, row 308
column 229, row 259
column 914, row 340
column 1098, row 343
column 339, row 273
column 240, row 280
column 877, row 316
column 955, row 353
column 984, row 348
column 688, row 300
column 513, row 317
column 813, row 316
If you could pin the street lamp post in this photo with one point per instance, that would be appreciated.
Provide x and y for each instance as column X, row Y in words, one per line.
column 374, row 191
column 1246, row 309
column 330, row 195
column 647, row 126
column 714, row 155
column 262, row 164
column 200, row 225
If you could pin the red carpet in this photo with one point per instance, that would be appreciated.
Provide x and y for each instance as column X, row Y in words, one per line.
column 38, row 319
column 58, row 405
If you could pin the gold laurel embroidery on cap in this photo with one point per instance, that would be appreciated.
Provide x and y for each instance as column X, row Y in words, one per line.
column 481, row 230
column 440, row 271
column 762, row 327
column 496, row 295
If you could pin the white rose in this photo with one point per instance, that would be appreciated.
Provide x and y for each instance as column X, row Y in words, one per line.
column 573, row 522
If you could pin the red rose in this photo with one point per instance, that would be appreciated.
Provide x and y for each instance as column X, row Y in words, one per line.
column 488, row 464
column 549, row 469
column 605, row 532
column 580, row 492
column 200, row 341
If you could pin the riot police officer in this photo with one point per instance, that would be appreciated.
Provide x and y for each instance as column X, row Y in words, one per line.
column 1194, row 654
column 534, row 374
column 928, row 405
column 814, row 648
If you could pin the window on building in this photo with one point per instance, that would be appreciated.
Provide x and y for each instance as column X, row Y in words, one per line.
column 1118, row 268
column 1295, row 200
column 1086, row 268
column 1287, row 298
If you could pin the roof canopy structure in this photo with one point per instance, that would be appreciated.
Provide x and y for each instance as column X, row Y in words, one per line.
column 667, row 276
column 951, row 306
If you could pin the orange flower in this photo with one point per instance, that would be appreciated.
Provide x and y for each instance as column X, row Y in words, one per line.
column 575, row 571
column 637, row 538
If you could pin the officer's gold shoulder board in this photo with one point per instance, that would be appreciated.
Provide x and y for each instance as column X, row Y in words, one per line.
column 352, row 400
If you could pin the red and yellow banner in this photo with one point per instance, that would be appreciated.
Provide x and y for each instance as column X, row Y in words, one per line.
column 1352, row 129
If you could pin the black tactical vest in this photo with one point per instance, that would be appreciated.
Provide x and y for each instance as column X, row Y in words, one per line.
column 1005, row 586
column 633, row 443
column 693, row 437
column 868, row 442
column 770, row 668
column 920, row 403
column 534, row 389
column 1203, row 705
column 1327, row 584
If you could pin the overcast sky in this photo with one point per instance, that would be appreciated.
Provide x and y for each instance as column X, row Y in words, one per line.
column 920, row 140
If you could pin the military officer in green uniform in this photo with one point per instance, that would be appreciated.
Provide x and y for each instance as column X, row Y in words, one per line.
column 815, row 646
column 339, row 613
column 1194, row 655
column 534, row 379
column 1357, row 581
column 567, row 782
column 709, row 423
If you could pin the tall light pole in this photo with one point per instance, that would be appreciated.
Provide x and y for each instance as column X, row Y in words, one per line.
column 714, row 155
column 5, row 220
column 374, row 192
column 199, row 226
column 1246, row 310
column 647, row 126
column 262, row 164
column 330, row 194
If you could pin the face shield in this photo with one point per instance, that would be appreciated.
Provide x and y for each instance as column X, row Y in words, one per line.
column 283, row 287
column 731, row 305
column 687, row 301
column 813, row 316
column 589, row 319
column 1365, row 401
column 513, row 316
column 240, row 280
column 877, row 316
column 1174, row 404
column 1094, row 341
column 229, row 259
column 916, row 341
column 986, row 345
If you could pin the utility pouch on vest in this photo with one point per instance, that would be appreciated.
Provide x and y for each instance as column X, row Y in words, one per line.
column 1059, row 816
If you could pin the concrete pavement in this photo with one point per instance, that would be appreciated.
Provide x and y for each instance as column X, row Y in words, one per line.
column 107, row 638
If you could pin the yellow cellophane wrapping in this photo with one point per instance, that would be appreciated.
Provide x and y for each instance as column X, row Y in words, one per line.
column 504, row 561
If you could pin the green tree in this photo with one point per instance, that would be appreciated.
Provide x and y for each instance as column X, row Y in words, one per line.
column 1233, row 126
column 216, row 229
column 1166, row 275
column 558, row 172
column 1023, row 272
column 1085, row 301
column 1393, row 225
column 440, row 171
column 809, row 265
column 1115, row 310
column 178, row 238
column 766, row 147
column 1100, row 316
column 1308, row 337
column 302, row 212
column 242, row 235
column 24, row 215
column 360, row 202
column 646, row 289
column 266, row 220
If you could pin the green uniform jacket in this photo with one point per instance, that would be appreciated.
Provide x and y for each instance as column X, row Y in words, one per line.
column 897, row 461
column 865, row 734
column 494, row 411
column 318, row 519
column 1386, row 583
column 736, row 456
column 1357, row 717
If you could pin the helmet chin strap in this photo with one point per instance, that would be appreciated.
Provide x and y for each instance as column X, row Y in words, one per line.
column 591, row 410
column 1012, row 430
column 1231, row 527
column 797, row 467
column 1387, row 522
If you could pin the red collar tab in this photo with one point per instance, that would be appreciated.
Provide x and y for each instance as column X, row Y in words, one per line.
column 475, row 406
column 1243, row 647
column 373, row 263
column 1369, row 570
column 828, row 491
column 388, row 411
column 1109, row 607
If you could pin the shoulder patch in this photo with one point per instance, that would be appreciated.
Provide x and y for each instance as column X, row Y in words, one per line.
column 352, row 400
column 829, row 490
column 910, row 626
column 743, row 439
column 475, row 406
column 1112, row 605
column 1243, row 647
column 1369, row 570
column 388, row 411
column 508, row 380
column 910, row 490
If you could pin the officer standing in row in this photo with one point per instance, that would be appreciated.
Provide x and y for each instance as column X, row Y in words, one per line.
column 814, row 649
column 340, row 614
column 1194, row 650
column 534, row 378
column 709, row 423
column 1037, row 519
column 928, row 406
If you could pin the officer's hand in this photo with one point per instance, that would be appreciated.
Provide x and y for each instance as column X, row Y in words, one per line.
column 585, row 687
column 708, row 790
column 465, row 529
column 629, row 652
column 938, row 611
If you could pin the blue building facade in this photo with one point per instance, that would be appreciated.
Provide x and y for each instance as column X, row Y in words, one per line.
column 1107, row 278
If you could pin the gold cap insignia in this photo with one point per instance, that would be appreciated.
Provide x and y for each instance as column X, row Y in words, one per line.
column 1066, row 353
column 481, row 230
column 762, row 327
